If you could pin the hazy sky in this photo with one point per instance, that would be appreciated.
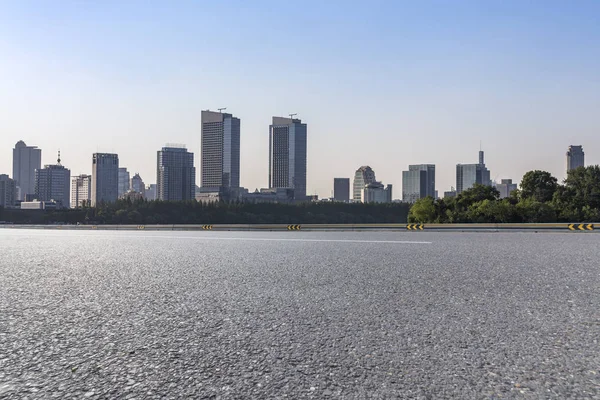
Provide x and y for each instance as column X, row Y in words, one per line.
column 381, row 83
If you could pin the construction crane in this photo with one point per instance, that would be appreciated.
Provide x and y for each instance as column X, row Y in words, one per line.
column 293, row 115
column 221, row 109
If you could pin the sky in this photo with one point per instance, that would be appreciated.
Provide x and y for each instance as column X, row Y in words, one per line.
column 379, row 83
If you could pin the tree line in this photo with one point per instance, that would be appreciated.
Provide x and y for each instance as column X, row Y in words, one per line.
column 143, row 212
column 540, row 198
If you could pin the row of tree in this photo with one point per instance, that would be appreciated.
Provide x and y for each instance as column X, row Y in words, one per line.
column 144, row 212
column 540, row 198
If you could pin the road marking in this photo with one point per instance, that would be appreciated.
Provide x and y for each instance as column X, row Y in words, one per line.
column 146, row 235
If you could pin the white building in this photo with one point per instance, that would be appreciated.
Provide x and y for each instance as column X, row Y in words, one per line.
column 376, row 193
column 81, row 190
column 26, row 159
column 363, row 176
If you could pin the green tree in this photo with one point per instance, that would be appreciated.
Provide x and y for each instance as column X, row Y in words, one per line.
column 539, row 185
column 422, row 211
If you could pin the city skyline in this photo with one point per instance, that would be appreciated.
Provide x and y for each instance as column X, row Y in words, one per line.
column 103, row 79
column 461, row 182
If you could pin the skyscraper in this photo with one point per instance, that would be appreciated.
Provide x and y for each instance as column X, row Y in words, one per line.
column 81, row 190
column 467, row 175
column 363, row 176
column 287, row 155
column 341, row 189
column 8, row 191
column 418, row 182
column 26, row 159
column 105, row 178
column 575, row 157
column 220, row 155
column 53, row 182
column 137, row 185
column 175, row 174
column 123, row 181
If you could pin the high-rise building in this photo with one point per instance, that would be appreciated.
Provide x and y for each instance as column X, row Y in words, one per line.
column 418, row 182
column 123, row 181
column 341, row 189
column 105, row 178
column 376, row 193
column 81, row 191
column 287, row 155
column 506, row 187
column 26, row 159
column 151, row 191
column 53, row 182
column 137, row 185
column 467, row 175
column 575, row 157
column 8, row 191
column 175, row 174
column 363, row 176
column 220, row 155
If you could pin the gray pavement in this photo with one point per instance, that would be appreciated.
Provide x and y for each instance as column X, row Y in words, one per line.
column 299, row 315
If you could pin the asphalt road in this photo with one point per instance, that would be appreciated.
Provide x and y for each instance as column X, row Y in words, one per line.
column 299, row 315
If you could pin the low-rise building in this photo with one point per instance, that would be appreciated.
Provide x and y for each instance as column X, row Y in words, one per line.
column 376, row 193
column 506, row 187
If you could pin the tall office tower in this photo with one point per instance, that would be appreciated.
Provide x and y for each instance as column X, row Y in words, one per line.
column 363, row 176
column 123, row 181
column 341, row 189
column 220, row 155
column 575, row 157
column 137, row 185
column 26, row 159
column 81, row 191
column 287, row 155
column 418, row 182
column 175, row 174
column 467, row 175
column 105, row 178
column 53, row 182
column 506, row 187
column 8, row 191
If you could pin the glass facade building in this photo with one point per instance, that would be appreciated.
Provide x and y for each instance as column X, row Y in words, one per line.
column 467, row 175
column 418, row 182
column 175, row 174
column 575, row 157
column 341, row 189
column 105, row 178
column 220, row 151
column 287, row 155
column 53, row 182
column 363, row 176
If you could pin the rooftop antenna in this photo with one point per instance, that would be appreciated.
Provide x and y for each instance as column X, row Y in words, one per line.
column 293, row 115
column 58, row 160
column 221, row 109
